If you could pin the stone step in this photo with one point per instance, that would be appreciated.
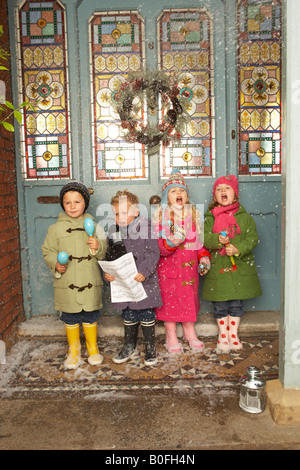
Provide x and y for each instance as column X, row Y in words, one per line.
column 252, row 323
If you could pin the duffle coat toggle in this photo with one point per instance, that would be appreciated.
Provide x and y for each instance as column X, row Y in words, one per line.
column 69, row 230
column 188, row 264
column 81, row 289
column 188, row 283
column 80, row 258
column 226, row 270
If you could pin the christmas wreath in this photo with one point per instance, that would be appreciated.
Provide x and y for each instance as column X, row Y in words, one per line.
column 128, row 102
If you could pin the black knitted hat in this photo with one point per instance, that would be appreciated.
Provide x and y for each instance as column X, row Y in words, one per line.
column 75, row 186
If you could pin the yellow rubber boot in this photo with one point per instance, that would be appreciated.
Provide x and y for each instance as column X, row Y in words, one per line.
column 73, row 335
column 90, row 332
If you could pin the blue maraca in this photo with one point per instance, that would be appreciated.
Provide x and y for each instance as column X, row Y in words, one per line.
column 89, row 227
column 62, row 257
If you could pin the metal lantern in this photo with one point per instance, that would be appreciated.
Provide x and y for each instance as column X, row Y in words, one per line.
column 252, row 391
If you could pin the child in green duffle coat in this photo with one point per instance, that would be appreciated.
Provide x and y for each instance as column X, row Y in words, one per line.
column 77, row 284
column 230, row 234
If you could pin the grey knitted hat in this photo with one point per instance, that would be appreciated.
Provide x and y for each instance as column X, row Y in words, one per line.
column 75, row 186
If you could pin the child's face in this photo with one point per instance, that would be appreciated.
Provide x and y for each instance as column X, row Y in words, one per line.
column 125, row 213
column 177, row 197
column 224, row 195
column 74, row 204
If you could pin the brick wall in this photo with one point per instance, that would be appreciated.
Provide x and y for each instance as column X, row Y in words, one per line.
column 11, row 298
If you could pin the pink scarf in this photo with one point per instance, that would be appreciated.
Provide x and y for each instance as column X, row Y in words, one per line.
column 224, row 220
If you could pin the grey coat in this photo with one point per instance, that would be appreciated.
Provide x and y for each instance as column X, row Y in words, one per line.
column 141, row 240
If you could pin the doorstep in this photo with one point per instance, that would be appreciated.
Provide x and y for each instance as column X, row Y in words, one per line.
column 284, row 403
column 252, row 323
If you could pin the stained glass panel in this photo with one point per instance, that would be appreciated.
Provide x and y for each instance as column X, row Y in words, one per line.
column 42, row 37
column 185, row 39
column 259, row 40
column 117, row 48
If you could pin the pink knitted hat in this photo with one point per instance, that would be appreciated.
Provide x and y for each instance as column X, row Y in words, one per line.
column 231, row 180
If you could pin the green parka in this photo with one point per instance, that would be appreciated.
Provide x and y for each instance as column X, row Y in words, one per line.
column 80, row 287
column 221, row 283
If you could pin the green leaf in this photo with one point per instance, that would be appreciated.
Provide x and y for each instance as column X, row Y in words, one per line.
column 9, row 127
column 3, row 68
column 18, row 116
column 9, row 104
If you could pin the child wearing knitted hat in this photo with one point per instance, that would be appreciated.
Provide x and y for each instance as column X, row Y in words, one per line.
column 181, row 253
column 230, row 234
column 77, row 284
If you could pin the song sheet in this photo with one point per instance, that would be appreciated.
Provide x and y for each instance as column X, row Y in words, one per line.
column 124, row 288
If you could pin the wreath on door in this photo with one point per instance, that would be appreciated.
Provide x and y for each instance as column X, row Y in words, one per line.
column 128, row 103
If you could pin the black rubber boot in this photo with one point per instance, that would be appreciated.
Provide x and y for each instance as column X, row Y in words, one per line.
column 149, row 337
column 130, row 339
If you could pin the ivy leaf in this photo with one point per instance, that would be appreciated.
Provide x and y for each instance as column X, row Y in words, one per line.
column 18, row 116
column 27, row 103
column 9, row 127
column 9, row 105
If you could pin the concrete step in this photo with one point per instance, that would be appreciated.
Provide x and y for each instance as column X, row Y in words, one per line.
column 252, row 323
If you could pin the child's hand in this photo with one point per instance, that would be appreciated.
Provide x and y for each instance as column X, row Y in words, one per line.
column 109, row 277
column 231, row 250
column 93, row 243
column 175, row 235
column 139, row 277
column 223, row 240
column 204, row 265
column 60, row 268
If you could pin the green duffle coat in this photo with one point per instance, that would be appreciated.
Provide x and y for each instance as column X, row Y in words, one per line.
column 80, row 287
column 222, row 283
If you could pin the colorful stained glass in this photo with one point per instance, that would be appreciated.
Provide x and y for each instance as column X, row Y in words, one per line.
column 44, row 84
column 259, row 40
column 185, row 39
column 117, row 48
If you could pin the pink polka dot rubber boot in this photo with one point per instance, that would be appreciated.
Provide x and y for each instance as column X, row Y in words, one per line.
column 235, row 343
column 223, row 339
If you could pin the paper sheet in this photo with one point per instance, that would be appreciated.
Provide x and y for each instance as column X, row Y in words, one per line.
column 124, row 288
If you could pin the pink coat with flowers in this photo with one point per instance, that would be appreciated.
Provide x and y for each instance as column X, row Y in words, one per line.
column 179, row 278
